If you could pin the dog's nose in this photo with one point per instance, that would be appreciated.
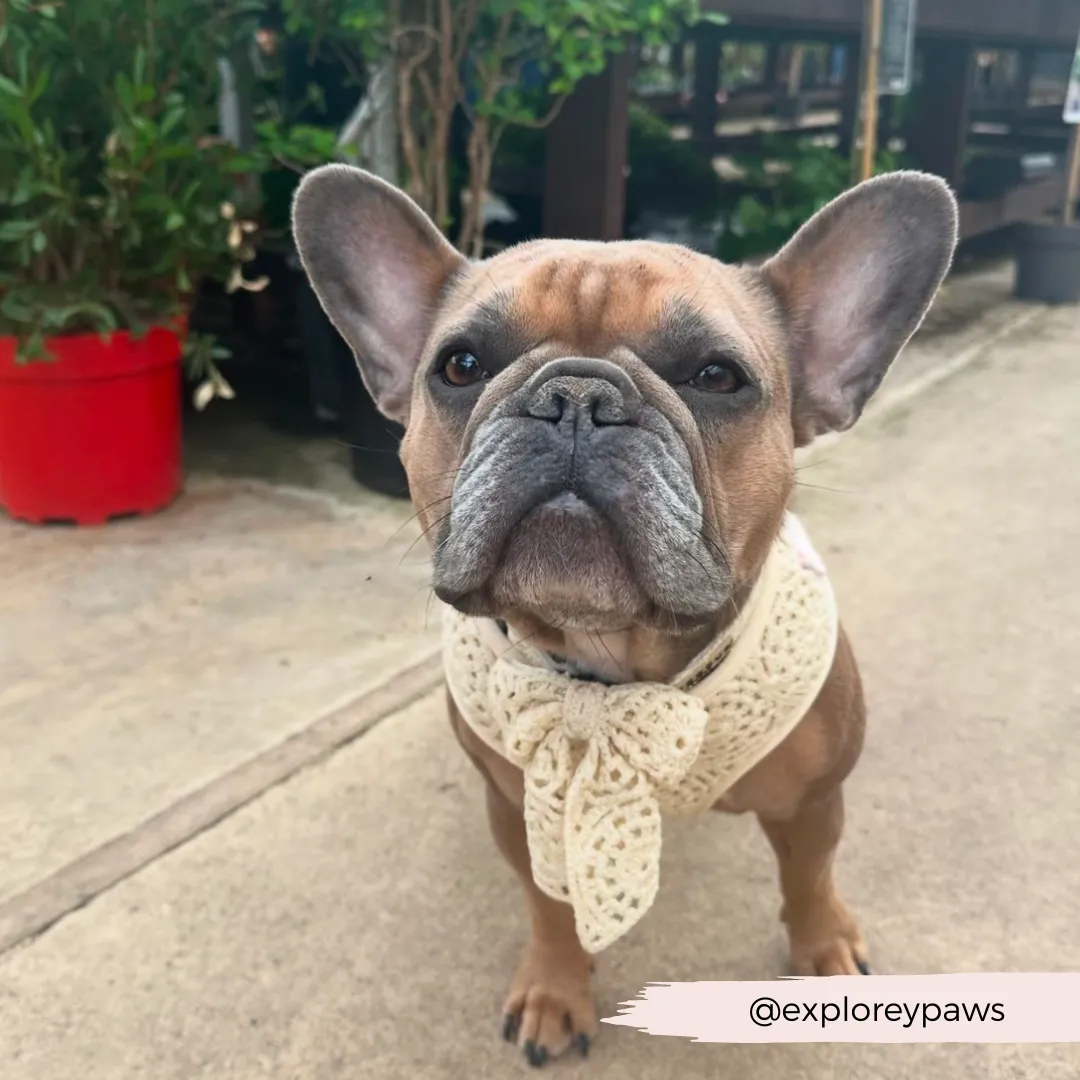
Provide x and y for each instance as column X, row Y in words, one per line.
column 582, row 388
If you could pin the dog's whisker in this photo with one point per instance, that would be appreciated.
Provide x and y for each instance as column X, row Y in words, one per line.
column 408, row 521
column 599, row 639
column 434, row 525
column 405, row 524
column 430, row 477
column 365, row 449
column 704, row 569
column 718, row 552
column 815, row 464
column 824, row 487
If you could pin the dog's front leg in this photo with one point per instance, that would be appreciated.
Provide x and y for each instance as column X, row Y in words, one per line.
column 823, row 935
column 550, row 1006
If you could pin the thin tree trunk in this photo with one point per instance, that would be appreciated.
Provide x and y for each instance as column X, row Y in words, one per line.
column 449, row 92
column 471, row 237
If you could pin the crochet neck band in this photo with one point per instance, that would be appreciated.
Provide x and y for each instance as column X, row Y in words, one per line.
column 603, row 763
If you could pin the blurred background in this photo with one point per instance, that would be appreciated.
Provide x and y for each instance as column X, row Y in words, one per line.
column 722, row 127
column 725, row 135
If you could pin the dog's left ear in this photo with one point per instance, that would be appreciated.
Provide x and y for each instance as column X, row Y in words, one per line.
column 854, row 284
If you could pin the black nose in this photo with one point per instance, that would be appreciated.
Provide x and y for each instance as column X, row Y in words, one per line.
column 582, row 388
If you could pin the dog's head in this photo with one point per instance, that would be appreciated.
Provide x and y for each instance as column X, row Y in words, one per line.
column 601, row 435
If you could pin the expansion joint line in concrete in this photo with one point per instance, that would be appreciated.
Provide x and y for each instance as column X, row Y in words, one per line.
column 28, row 914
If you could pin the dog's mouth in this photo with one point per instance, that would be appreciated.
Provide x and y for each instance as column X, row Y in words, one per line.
column 588, row 525
column 563, row 563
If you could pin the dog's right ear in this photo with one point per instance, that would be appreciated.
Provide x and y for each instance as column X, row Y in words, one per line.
column 378, row 265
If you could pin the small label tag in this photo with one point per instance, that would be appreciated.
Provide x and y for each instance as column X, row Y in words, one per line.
column 800, row 541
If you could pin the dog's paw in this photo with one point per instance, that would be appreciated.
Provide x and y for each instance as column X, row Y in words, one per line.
column 838, row 957
column 827, row 943
column 550, row 1008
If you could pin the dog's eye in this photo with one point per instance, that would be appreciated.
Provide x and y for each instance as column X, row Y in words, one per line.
column 718, row 378
column 462, row 369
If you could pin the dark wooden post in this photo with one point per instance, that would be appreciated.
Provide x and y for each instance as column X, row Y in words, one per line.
column 703, row 108
column 939, row 128
column 888, row 122
column 771, row 75
column 1023, row 77
column 1072, row 177
column 678, row 60
column 849, row 96
column 585, row 181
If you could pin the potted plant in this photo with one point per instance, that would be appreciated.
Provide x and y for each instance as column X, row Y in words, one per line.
column 1048, row 253
column 117, row 199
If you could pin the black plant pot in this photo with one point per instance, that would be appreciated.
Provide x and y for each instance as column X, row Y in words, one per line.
column 374, row 442
column 1048, row 263
column 336, row 385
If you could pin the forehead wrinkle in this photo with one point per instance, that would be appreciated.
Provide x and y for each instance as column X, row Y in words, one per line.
column 591, row 304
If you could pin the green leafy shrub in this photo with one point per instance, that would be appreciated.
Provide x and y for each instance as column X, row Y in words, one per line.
column 792, row 179
column 116, row 196
column 288, row 151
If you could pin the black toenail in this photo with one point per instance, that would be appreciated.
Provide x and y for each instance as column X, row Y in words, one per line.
column 583, row 1045
column 863, row 966
column 510, row 1026
column 535, row 1055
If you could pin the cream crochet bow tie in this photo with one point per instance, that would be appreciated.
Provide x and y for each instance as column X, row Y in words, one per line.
column 602, row 762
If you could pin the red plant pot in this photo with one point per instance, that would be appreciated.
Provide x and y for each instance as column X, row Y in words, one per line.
column 94, row 433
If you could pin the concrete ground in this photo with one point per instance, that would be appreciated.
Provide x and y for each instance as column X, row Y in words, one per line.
column 142, row 660
column 353, row 919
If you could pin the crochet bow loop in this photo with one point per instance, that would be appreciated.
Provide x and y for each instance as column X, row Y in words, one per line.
column 594, row 759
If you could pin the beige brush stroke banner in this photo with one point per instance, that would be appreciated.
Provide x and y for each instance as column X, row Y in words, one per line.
column 966, row 1008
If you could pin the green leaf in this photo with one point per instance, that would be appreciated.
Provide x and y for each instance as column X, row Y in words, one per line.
column 97, row 316
column 16, row 230
column 41, row 84
column 10, row 88
column 15, row 306
column 172, row 118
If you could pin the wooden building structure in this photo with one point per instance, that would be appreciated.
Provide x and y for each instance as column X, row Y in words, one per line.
column 980, row 136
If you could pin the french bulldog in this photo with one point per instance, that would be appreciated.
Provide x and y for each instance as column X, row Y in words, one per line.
column 600, row 444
